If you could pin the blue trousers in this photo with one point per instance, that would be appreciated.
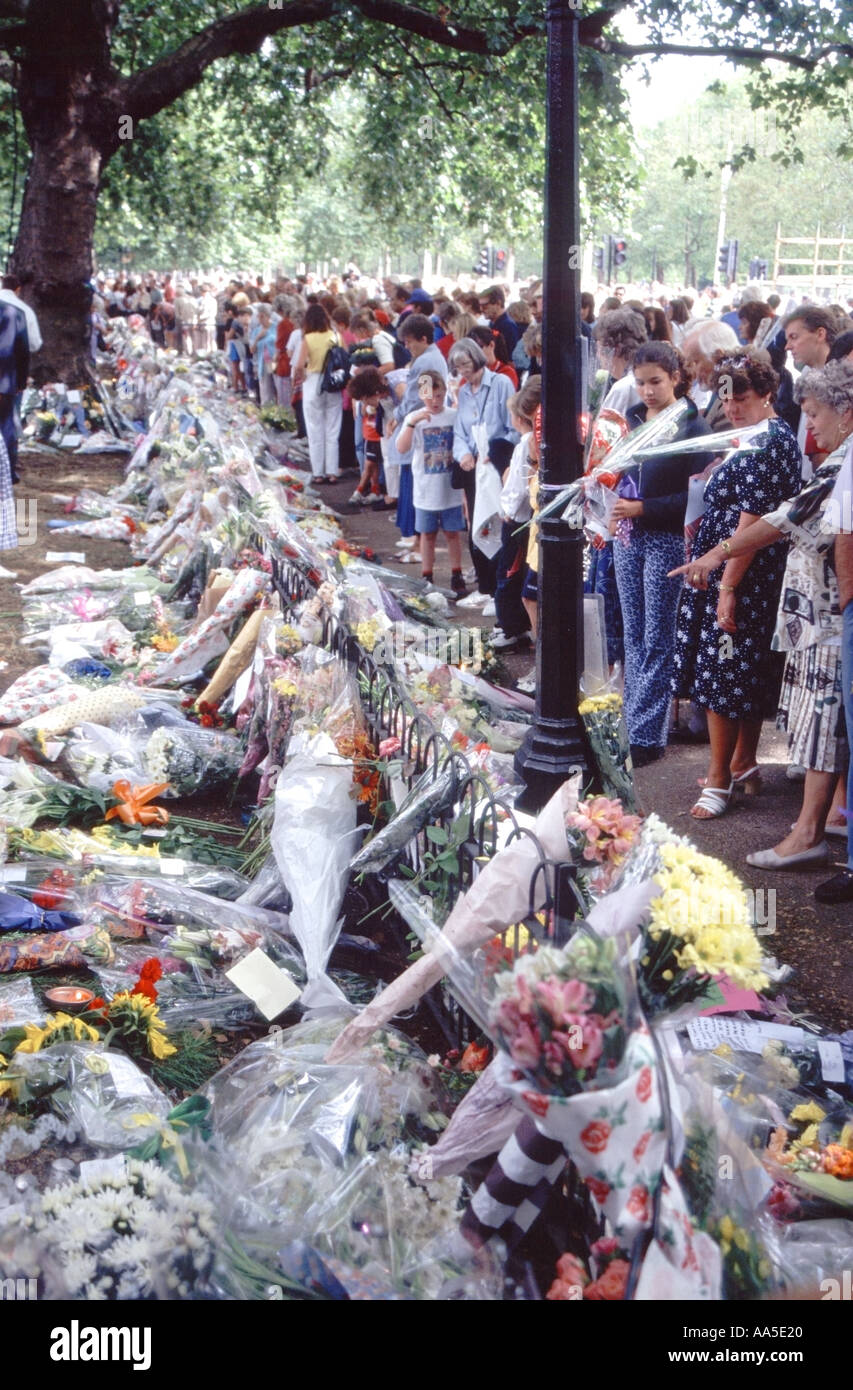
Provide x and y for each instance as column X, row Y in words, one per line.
column 601, row 580
column 847, row 683
column 649, row 609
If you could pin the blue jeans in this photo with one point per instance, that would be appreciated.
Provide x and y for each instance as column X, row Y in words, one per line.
column 847, row 685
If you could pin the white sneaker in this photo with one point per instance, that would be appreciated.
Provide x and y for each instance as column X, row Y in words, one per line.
column 358, row 497
column 475, row 600
column 405, row 543
column 489, row 609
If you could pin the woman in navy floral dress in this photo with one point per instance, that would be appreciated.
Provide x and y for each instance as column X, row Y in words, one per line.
column 723, row 657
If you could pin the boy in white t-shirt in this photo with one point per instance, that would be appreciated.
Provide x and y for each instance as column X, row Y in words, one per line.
column 428, row 432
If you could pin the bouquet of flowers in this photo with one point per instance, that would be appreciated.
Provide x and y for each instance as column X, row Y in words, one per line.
column 608, row 740
column 600, row 836
column 190, row 758
column 134, row 1234
column 576, row 1056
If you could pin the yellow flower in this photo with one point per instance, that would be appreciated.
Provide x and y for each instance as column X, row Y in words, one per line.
column 159, row 1044
column 727, row 1228
column 807, row 1140
column 741, row 1238
column 810, row 1112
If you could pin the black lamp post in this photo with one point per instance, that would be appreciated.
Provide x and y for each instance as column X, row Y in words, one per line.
column 556, row 745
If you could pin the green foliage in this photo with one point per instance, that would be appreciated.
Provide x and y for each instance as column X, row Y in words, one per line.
column 682, row 157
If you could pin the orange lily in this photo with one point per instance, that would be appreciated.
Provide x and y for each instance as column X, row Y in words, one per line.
column 133, row 808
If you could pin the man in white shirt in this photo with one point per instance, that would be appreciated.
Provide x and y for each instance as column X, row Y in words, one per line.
column 9, row 295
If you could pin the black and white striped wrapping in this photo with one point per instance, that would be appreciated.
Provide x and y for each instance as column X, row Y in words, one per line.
column 516, row 1187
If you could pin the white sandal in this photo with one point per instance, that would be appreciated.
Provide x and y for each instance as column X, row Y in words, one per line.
column 714, row 800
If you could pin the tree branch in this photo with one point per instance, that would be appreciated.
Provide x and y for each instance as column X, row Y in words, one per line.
column 149, row 91
column 734, row 51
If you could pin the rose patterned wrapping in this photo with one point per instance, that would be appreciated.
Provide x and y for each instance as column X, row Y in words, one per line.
column 105, row 528
column 681, row 1262
column 210, row 639
column 616, row 1138
column 34, row 691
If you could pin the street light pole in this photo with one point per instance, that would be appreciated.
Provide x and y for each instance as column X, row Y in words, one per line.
column 556, row 745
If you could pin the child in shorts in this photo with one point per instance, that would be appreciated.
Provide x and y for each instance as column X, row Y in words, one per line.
column 428, row 432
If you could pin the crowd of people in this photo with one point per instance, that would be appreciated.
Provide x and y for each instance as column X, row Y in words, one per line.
column 719, row 567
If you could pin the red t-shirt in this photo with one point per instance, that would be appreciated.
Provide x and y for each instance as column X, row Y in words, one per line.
column 504, row 369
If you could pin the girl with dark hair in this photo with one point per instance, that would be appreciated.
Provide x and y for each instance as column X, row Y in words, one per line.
column 657, row 324
column 493, row 343
column 648, row 522
column 723, row 659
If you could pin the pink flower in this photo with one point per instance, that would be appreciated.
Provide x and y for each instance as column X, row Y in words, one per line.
column 526, row 1046
column 389, row 746
column 561, row 998
column 592, row 1044
column 508, row 1016
column 571, row 1271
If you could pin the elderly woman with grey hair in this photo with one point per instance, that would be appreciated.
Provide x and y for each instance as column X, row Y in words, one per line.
column 808, row 625
column 483, row 429
column 618, row 334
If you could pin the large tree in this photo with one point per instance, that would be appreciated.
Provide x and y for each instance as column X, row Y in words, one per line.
column 86, row 72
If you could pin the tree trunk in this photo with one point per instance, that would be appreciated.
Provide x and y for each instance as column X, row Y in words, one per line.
column 70, row 100
column 53, row 251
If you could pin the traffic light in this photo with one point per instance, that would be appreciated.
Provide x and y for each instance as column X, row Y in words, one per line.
column 500, row 262
column 723, row 262
column 757, row 269
column 732, row 267
column 483, row 266
column 620, row 251
column 598, row 261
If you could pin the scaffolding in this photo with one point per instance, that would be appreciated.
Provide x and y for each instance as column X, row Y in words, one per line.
column 829, row 261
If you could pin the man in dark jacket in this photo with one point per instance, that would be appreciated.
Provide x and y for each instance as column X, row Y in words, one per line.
column 14, row 370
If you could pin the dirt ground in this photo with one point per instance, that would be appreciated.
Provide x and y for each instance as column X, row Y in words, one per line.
column 41, row 477
column 814, row 940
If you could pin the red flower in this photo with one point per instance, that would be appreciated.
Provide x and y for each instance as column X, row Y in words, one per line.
column 599, row 1189
column 474, row 1058
column 641, row 1145
column 537, row 1103
column 644, row 1084
column 639, row 1203
column 595, row 1137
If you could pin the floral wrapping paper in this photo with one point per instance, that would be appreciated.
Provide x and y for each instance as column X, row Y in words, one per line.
column 210, row 640
column 33, row 692
column 616, row 1139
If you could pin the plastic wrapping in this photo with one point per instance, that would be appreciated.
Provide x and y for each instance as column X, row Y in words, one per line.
column 313, row 837
column 103, row 1093
column 318, row 1155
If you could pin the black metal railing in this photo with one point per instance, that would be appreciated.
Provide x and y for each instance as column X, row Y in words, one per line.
column 470, row 802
